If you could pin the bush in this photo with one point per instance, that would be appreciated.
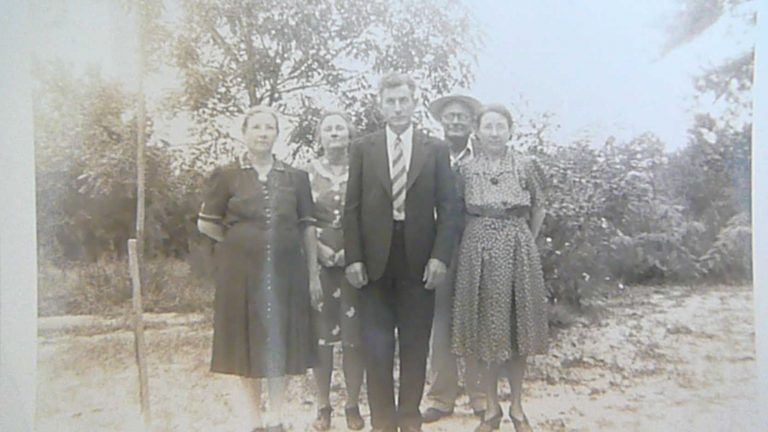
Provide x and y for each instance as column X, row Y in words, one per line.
column 730, row 257
column 104, row 287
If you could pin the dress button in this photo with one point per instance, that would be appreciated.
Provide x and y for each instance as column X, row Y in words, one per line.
column 337, row 197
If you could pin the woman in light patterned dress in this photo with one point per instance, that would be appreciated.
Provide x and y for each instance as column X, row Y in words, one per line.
column 336, row 320
column 499, row 305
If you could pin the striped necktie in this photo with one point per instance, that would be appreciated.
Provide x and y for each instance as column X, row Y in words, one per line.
column 398, row 181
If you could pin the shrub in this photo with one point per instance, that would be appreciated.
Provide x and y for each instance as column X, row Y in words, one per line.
column 104, row 287
column 730, row 257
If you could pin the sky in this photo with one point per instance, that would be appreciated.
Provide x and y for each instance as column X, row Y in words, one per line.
column 594, row 64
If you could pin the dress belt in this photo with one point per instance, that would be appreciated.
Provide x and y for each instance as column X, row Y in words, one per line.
column 502, row 214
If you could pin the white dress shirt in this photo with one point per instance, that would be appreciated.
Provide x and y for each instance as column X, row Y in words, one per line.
column 468, row 152
column 407, row 142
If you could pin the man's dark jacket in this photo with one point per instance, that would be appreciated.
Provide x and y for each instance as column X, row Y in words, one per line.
column 430, row 205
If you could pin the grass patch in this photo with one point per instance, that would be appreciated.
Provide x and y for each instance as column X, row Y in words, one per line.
column 104, row 288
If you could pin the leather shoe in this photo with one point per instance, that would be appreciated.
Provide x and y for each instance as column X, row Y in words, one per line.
column 354, row 419
column 479, row 413
column 521, row 425
column 433, row 414
column 410, row 428
column 323, row 420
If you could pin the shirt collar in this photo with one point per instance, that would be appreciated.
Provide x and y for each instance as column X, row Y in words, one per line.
column 245, row 163
column 322, row 168
column 468, row 152
column 406, row 136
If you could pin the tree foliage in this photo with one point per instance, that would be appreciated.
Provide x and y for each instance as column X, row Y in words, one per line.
column 303, row 55
column 86, row 170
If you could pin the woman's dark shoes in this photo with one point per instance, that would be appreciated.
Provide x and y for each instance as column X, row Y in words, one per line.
column 521, row 425
column 432, row 415
column 490, row 424
column 479, row 413
column 323, row 420
column 354, row 419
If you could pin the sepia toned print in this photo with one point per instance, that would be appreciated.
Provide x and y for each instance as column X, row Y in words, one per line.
column 631, row 130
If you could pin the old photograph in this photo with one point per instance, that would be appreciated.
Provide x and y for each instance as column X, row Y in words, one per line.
column 394, row 215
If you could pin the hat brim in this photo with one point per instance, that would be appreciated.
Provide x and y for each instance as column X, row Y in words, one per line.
column 438, row 105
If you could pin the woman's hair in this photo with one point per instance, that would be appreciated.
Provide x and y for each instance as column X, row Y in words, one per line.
column 350, row 126
column 498, row 109
column 258, row 109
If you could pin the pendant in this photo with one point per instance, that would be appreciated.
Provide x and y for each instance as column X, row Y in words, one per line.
column 494, row 181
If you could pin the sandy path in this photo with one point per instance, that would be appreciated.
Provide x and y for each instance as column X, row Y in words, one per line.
column 665, row 359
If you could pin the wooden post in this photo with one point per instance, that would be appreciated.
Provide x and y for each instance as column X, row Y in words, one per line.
column 138, row 331
column 136, row 246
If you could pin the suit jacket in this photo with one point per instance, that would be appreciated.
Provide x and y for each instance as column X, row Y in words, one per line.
column 430, row 205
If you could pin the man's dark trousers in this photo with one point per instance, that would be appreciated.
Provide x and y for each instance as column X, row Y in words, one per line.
column 395, row 302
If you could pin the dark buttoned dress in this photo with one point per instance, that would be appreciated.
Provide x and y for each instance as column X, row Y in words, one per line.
column 262, row 310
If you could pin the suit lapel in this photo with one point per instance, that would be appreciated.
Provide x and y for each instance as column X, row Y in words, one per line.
column 418, row 157
column 381, row 160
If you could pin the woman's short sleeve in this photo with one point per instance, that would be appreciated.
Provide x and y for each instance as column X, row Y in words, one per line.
column 305, row 207
column 216, row 196
column 534, row 181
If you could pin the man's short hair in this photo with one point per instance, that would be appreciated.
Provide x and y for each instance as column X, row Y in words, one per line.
column 397, row 79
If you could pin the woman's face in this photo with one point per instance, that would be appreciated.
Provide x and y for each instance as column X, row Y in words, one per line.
column 260, row 133
column 334, row 132
column 493, row 131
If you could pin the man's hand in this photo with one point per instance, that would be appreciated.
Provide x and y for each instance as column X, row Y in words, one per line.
column 434, row 273
column 357, row 275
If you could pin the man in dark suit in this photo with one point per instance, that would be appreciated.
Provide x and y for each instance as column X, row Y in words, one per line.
column 399, row 227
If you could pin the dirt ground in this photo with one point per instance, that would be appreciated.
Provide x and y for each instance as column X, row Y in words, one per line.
column 645, row 359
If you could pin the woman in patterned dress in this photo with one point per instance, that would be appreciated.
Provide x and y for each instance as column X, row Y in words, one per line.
column 261, row 215
column 336, row 318
column 499, row 305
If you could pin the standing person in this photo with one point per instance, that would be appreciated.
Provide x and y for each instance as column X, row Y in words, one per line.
column 261, row 215
column 336, row 320
column 456, row 114
column 499, row 314
column 398, row 236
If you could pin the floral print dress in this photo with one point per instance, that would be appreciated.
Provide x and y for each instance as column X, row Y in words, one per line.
column 500, row 301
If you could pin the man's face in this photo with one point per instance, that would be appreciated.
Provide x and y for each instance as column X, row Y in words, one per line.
column 456, row 119
column 397, row 106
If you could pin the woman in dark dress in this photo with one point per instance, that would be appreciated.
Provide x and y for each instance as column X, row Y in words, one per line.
column 499, row 314
column 336, row 320
column 261, row 215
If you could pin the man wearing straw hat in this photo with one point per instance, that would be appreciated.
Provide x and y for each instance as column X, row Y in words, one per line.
column 456, row 114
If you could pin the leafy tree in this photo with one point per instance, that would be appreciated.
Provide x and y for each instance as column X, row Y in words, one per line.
column 86, row 170
column 304, row 55
column 694, row 17
column 711, row 175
